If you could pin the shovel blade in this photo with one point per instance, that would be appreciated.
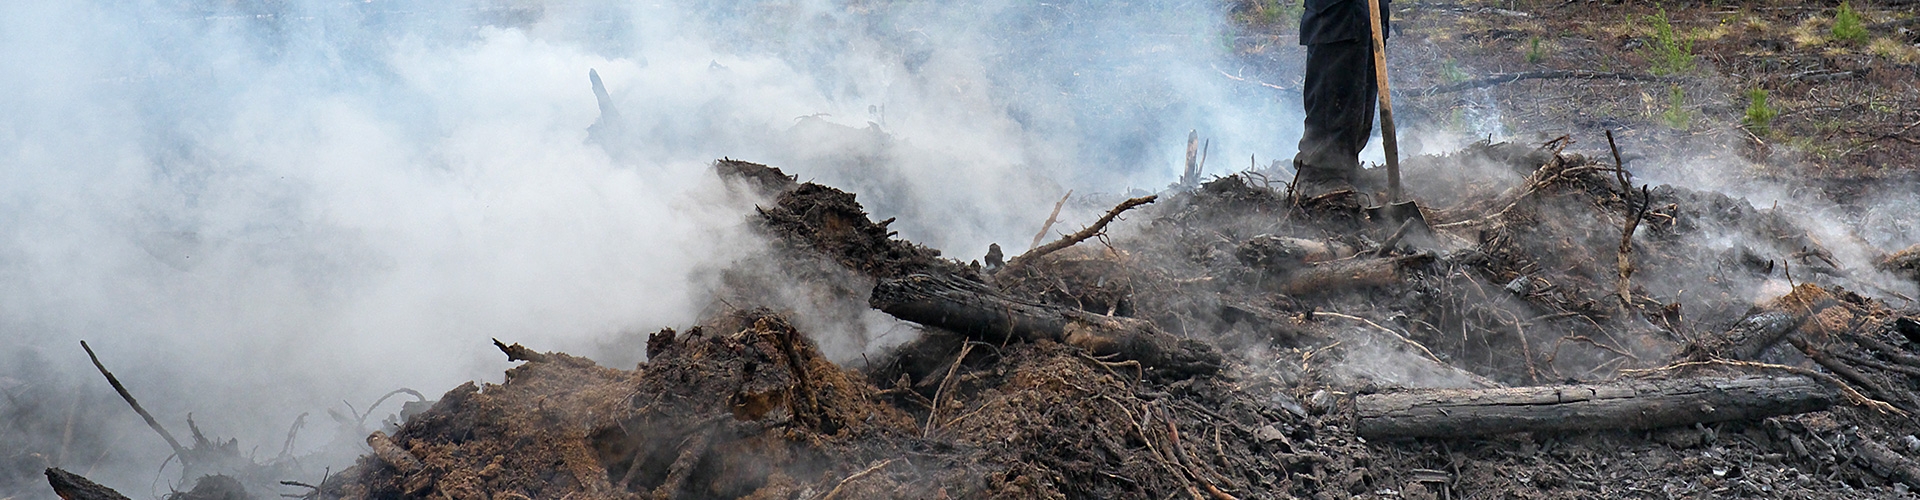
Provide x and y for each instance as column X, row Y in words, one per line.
column 1404, row 220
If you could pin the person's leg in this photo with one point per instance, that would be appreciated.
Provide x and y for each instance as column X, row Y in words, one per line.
column 1339, row 101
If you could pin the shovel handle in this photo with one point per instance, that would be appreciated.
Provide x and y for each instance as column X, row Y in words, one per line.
column 1388, row 142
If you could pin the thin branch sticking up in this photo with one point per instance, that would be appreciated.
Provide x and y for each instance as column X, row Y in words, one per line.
column 1626, row 248
column 1051, row 218
column 939, row 395
column 178, row 450
column 1096, row 229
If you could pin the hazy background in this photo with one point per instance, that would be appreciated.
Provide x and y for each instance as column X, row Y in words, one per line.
column 257, row 209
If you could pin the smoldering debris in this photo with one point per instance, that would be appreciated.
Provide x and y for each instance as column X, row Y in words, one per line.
column 1564, row 330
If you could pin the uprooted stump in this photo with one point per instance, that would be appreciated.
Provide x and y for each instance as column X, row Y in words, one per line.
column 978, row 312
column 1620, row 406
column 742, row 406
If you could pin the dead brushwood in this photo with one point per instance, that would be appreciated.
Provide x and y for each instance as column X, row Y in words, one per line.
column 946, row 384
column 1888, row 350
column 1099, row 227
column 1846, row 372
column 1051, row 218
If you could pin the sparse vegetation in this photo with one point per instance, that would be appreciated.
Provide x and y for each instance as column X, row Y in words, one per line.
column 1759, row 114
column 1894, row 50
column 1847, row 25
column 1278, row 12
column 1670, row 52
column 1535, row 52
column 1676, row 115
column 1450, row 71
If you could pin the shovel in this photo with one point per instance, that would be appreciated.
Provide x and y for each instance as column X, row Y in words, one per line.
column 1398, row 212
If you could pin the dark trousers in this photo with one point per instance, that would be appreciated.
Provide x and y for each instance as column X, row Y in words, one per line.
column 1340, row 96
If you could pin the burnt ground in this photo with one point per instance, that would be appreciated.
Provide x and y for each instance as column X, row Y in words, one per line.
column 744, row 406
column 1841, row 111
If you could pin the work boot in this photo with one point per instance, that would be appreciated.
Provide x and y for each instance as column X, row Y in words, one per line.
column 1310, row 183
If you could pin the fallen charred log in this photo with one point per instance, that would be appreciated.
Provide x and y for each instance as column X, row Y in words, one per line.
column 1764, row 327
column 978, row 312
column 1886, row 463
column 1348, row 274
column 1629, row 405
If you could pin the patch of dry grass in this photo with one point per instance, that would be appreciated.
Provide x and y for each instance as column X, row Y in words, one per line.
column 1893, row 50
column 1809, row 33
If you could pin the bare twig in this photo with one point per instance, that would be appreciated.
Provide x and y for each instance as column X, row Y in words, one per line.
column 835, row 492
column 1634, row 216
column 1838, row 368
column 298, row 422
column 1051, row 218
column 361, row 418
column 122, row 389
column 1097, row 228
column 941, row 392
column 1403, row 339
column 1173, row 435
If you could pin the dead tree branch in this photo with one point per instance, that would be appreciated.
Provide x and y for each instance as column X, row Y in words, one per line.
column 178, row 450
column 1051, row 218
column 1097, row 228
column 1844, row 371
column 979, row 312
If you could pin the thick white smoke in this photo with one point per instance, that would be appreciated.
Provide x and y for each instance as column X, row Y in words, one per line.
column 255, row 210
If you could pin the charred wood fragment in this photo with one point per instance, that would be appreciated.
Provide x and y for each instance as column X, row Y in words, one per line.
column 980, row 313
column 1284, row 254
column 1886, row 463
column 1624, row 406
column 1763, row 328
column 1349, row 274
column 517, row 352
column 70, row 486
column 392, row 454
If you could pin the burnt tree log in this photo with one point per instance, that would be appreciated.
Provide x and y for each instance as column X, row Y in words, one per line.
column 1620, row 406
column 1305, row 267
column 1887, row 463
column 70, row 486
column 1763, row 327
column 1348, row 274
column 980, row 313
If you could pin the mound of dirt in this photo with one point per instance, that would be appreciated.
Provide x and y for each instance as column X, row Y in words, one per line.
column 1300, row 311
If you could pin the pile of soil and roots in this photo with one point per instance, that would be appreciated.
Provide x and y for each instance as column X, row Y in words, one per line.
column 1559, row 332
